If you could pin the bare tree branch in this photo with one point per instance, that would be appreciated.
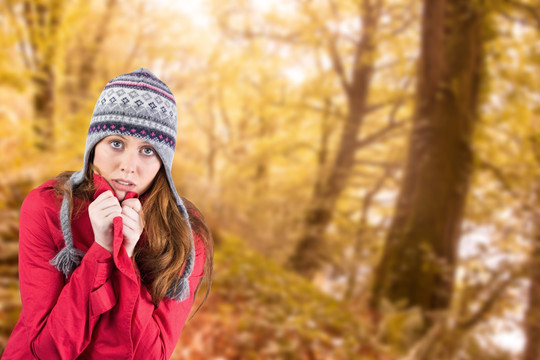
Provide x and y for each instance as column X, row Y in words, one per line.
column 335, row 112
column 208, row 131
column 391, row 64
column 499, row 175
column 361, row 231
column 21, row 37
column 407, row 22
column 379, row 164
column 531, row 11
column 380, row 134
column 249, row 33
column 337, row 64
column 223, row 111
column 492, row 297
column 374, row 107
column 28, row 18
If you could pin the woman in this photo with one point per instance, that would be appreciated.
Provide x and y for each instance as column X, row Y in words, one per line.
column 110, row 257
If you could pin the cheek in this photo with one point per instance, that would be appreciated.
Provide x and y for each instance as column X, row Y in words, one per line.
column 150, row 171
column 154, row 170
column 100, row 157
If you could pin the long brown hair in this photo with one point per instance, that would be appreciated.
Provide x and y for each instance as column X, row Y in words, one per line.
column 166, row 243
column 164, row 246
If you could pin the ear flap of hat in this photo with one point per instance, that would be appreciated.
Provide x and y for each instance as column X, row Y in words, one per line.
column 180, row 290
column 67, row 260
column 69, row 257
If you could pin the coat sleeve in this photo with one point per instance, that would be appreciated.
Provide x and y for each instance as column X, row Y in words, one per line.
column 59, row 316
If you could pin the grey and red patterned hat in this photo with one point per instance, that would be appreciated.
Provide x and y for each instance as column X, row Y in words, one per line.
column 135, row 104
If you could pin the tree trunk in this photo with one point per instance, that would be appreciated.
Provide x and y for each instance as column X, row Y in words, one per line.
column 80, row 85
column 310, row 252
column 89, row 63
column 43, row 21
column 43, row 101
column 418, row 262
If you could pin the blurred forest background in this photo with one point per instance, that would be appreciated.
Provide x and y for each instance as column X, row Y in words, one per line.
column 369, row 168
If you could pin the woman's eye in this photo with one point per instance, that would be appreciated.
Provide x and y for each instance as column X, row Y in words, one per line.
column 148, row 151
column 116, row 144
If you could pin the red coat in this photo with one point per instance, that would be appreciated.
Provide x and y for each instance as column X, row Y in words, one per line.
column 102, row 310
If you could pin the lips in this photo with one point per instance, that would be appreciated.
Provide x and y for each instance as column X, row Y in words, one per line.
column 123, row 184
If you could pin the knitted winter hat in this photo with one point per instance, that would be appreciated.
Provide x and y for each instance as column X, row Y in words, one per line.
column 136, row 104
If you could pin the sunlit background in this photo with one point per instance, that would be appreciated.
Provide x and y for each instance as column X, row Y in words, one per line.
column 370, row 174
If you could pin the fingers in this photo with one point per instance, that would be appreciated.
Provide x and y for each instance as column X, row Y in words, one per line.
column 134, row 204
column 129, row 211
column 105, row 196
column 106, row 206
column 106, row 202
column 101, row 212
column 131, row 235
column 132, row 222
column 131, row 214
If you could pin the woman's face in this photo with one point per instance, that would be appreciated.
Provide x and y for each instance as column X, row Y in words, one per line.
column 127, row 163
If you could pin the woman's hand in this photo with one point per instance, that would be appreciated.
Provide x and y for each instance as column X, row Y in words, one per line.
column 102, row 211
column 133, row 223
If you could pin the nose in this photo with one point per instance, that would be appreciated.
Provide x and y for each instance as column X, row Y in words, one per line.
column 129, row 162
